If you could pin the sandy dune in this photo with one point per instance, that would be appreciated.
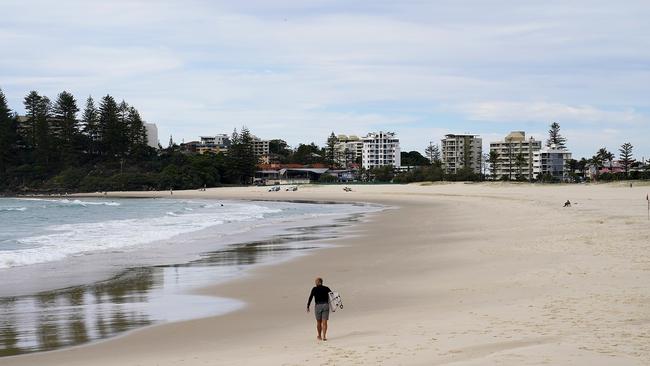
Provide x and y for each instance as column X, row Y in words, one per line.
column 462, row 274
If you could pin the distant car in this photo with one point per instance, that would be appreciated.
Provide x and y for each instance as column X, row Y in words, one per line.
column 292, row 189
column 274, row 189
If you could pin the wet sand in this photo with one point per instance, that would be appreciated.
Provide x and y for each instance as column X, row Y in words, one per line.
column 469, row 274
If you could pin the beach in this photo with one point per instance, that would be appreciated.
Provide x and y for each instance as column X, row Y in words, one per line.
column 462, row 274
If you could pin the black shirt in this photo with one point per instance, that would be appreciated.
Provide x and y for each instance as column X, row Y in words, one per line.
column 319, row 294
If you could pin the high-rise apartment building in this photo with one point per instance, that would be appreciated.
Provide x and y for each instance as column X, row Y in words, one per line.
column 347, row 149
column 459, row 151
column 515, row 156
column 380, row 149
column 261, row 149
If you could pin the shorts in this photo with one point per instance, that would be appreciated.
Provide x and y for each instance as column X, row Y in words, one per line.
column 322, row 311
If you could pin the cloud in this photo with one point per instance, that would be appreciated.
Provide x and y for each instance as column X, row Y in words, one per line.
column 301, row 69
column 545, row 112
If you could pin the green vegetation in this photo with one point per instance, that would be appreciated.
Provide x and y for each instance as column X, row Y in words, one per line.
column 52, row 149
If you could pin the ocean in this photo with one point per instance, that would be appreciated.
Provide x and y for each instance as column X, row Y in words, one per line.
column 81, row 270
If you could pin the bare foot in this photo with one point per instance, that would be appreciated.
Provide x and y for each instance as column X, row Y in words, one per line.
column 324, row 339
column 319, row 338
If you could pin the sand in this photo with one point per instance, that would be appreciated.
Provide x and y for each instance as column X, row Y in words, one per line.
column 462, row 274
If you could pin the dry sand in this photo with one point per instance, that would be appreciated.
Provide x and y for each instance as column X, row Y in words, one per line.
column 462, row 274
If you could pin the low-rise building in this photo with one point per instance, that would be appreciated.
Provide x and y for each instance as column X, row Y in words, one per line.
column 461, row 150
column 551, row 161
column 380, row 149
column 213, row 144
column 515, row 155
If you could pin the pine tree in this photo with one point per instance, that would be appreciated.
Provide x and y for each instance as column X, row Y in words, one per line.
column 91, row 125
column 65, row 114
column 433, row 153
column 493, row 159
column 43, row 136
column 554, row 137
column 625, row 157
column 137, row 131
column 32, row 104
column 8, row 134
column 331, row 149
column 248, row 159
column 110, row 129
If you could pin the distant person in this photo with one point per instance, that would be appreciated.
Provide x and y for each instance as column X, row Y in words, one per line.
column 320, row 294
column 567, row 203
column 171, row 191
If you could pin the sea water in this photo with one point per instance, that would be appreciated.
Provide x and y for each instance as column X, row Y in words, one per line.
column 78, row 270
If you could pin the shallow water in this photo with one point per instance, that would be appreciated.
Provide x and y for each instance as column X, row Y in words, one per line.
column 142, row 296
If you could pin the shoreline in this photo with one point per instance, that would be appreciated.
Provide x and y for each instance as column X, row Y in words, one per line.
column 268, row 243
column 466, row 274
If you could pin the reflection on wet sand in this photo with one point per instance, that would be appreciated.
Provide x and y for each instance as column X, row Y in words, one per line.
column 137, row 297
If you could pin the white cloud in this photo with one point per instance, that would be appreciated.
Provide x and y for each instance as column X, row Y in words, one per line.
column 505, row 111
column 301, row 69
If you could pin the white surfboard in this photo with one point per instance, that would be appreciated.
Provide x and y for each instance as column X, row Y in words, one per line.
column 335, row 301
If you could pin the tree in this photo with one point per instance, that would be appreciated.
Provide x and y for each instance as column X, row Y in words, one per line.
column 32, row 104
column 413, row 158
column 625, row 157
column 554, row 137
column 307, row 154
column 137, row 133
column 520, row 161
column 609, row 156
column 242, row 162
column 42, row 137
column 433, row 152
column 582, row 166
column 90, row 128
column 493, row 159
column 331, row 149
column 279, row 151
column 249, row 159
column 599, row 159
column 65, row 114
column 383, row 173
column 111, row 133
column 8, row 134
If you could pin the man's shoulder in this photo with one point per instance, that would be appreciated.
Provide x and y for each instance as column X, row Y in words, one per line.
column 327, row 289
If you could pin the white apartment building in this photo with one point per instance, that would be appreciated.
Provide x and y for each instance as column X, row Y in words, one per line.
column 347, row 149
column 380, row 149
column 152, row 134
column 508, row 151
column 459, row 151
column 551, row 160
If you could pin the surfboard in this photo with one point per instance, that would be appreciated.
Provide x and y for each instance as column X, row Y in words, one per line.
column 335, row 301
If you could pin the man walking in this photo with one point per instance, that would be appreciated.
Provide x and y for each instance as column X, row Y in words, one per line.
column 320, row 294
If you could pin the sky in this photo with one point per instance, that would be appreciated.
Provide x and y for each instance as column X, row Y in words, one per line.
column 298, row 70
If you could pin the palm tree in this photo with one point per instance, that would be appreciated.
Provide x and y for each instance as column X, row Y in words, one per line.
column 610, row 157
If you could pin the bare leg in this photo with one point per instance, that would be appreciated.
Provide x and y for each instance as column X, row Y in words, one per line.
column 319, row 328
column 324, row 326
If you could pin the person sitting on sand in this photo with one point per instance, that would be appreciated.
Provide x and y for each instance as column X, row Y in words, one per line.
column 567, row 203
column 320, row 294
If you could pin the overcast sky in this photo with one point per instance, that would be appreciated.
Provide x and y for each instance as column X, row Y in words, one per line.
column 298, row 70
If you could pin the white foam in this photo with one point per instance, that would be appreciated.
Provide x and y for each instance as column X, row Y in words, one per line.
column 65, row 201
column 13, row 209
column 78, row 239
